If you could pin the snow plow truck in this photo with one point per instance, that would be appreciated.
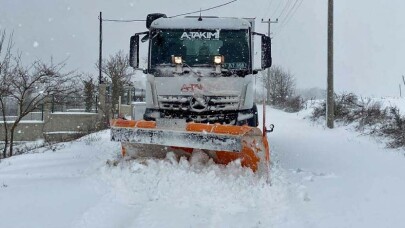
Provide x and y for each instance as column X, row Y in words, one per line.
column 199, row 91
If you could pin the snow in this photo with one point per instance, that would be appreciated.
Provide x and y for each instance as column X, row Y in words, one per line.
column 26, row 121
column 74, row 113
column 48, row 189
column 398, row 102
column 206, row 23
column 320, row 178
column 62, row 132
column 345, row 180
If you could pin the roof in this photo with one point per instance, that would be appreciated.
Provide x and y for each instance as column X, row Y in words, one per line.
column 206, row 23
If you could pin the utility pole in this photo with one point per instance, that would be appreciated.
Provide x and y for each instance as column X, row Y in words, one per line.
column 330, row 103
column 269, row 22
column 100, row 80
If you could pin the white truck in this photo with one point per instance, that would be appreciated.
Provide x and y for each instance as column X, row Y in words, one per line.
column 199, row 91
column 200, row 68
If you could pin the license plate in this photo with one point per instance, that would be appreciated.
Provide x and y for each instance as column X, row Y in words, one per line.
column 171, row 123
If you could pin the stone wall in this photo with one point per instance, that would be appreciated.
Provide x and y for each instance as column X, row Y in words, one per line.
column 55, row 126
column 65, row 121
column 59, row 126
column 25, row 131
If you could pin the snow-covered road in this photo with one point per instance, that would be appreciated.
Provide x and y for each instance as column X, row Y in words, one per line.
column 320, row 178
column 345, row 180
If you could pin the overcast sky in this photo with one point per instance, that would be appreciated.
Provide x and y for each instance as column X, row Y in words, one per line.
column 369, row 35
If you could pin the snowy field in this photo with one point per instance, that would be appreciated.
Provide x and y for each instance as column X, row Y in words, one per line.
column 320, row 178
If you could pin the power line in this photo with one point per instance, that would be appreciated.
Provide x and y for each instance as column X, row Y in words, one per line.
column 202, row 10
column 268, row 9
column 287, row 5
column 117, row 20
column 290, row 15
column 291, row 9
column 293, row 12
column 277, row 8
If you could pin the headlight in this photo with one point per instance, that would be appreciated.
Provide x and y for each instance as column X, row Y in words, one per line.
column 177, row 60
column 219, row 59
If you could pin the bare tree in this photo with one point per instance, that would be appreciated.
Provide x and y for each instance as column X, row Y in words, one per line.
column 280, row 85
column 119, row 74
column 5, row 76
column 32, row 86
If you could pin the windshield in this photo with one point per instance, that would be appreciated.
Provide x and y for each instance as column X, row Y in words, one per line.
column 198, row 47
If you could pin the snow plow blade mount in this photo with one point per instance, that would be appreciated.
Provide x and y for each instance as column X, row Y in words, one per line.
column 223, row 143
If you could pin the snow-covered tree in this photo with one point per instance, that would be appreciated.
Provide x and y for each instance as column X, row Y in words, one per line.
column 89, row 93
column 280, row 85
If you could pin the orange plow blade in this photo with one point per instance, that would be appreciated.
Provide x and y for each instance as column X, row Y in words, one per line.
column 223, row 143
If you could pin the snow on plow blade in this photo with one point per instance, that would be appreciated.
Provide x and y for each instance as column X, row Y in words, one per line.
column 223, row 143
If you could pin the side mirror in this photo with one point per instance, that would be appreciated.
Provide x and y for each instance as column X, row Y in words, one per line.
column 266, row 52
column 145, row 38
column 153, row 16
column 134, row 51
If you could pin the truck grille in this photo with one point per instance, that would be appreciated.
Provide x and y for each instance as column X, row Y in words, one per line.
column 199, row 104
column 223, row 118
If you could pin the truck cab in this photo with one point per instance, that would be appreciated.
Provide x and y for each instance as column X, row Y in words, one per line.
column 200, row 69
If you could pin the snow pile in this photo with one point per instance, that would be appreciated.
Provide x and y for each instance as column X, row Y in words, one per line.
column 196, row 193
column 53, row 186
column 74, row 185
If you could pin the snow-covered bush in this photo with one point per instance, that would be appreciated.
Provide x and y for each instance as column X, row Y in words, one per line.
column 293, row 104
column 91, row 138
column 349, row 108
column 395, row 128
column 368, row 116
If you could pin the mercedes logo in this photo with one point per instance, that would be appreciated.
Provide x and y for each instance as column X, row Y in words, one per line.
column 198, row 103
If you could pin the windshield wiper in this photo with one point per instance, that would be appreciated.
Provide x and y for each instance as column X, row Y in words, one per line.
column 191, row 69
